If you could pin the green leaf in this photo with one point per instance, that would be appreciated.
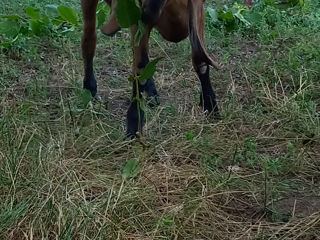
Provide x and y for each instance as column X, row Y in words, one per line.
column 9, row 28
column 13, row 17
column 85, row 97
column 32, row 13
column 226, row 16
column 68, row 14
column 130, row 169
column 102, row 11
column 37, row 27
column 149, row 70
column 128, row 13
column 213, row 14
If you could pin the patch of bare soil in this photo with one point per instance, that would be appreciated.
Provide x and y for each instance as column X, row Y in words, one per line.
column 298, row 207
column 242, row 207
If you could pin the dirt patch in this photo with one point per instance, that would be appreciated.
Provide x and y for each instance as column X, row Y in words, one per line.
column 296, row 207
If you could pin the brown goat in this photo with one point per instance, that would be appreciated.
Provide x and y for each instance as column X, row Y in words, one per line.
column 175, row 20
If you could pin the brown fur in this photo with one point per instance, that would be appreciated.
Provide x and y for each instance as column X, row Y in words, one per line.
column 177, row 20
column 89, row 37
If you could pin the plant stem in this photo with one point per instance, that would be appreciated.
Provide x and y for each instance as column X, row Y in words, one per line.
column 136, row 79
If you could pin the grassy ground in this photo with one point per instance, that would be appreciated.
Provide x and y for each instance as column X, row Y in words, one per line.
column 242, row 177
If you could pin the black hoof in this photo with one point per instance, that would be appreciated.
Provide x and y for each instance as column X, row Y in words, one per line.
column 130, row 136
column 90, row 84
column 135, row 119
column 209, row 105
column 150, row 88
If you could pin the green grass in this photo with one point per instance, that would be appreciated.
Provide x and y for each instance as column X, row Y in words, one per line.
column 61, row 163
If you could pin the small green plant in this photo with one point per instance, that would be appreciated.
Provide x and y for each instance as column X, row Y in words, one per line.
column 228, row 18
column 146, row 73
column 190, row 135
column 15, row 27
column 129, row 13
column 238, row 15
column 130, row 169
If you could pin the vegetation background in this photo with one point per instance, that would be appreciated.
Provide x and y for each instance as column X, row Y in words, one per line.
column 66, row 171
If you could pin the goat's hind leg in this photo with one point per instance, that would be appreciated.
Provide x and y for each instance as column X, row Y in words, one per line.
column 89, row 39
column 207, row 97
column 200, row 58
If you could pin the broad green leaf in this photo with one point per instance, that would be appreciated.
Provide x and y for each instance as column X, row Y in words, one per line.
column 130, row 169
column 85, row 96
column 213, row 14
column 36, row 26
column 140, row 32
column 13, row 17
column 101, row 17
column 32, row 13
column 68, row 14
column 102, row 11
column 128, row 13
column 9, row 28
column 149, row 70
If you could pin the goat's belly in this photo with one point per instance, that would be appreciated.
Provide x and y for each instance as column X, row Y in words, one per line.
column 173, row 21
column 173, row 34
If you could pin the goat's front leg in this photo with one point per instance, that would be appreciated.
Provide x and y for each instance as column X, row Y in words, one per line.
column 135, row 115
column 89, row 39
